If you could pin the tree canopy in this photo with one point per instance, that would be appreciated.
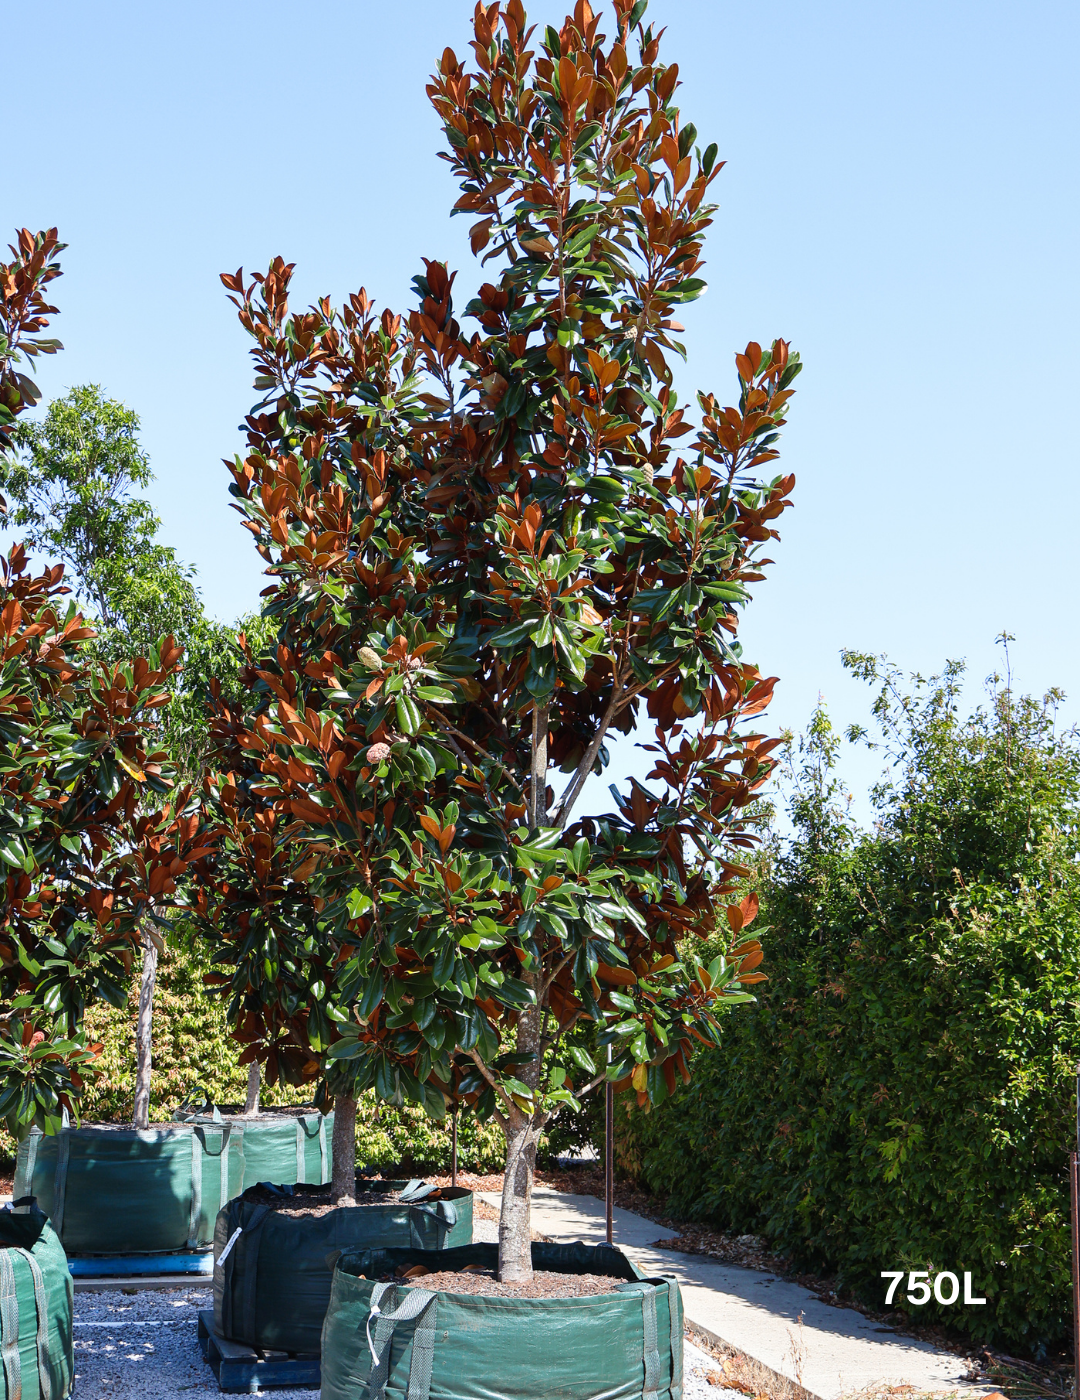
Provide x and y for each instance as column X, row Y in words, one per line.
column 490, row 550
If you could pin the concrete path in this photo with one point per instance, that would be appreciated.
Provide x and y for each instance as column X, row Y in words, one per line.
column 830, row 1351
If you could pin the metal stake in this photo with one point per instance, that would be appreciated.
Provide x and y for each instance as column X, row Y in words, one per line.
column 1074, row 1192
column 609, row 1155
column 1073, row 1169
column 453, row 1148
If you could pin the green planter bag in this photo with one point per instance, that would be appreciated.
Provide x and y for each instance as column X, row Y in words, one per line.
column 121, row 1190
column 287, row 1148
column 35, row 1308
column 284, row 1147
column 272, row 1283
column 400, row 1341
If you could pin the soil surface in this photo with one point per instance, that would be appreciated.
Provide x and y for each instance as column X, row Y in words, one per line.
column 315, row 1200
column 230, row 1111
column 228, row 1115
column 469, row 1181
column 482, row 1282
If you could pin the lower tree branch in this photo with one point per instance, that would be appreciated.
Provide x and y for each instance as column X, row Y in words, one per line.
column 447, row 728
column 511, row 1106
column 592, row 1084
column 561, row 810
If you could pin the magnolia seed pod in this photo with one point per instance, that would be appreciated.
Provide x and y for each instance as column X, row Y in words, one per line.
column 371, row 659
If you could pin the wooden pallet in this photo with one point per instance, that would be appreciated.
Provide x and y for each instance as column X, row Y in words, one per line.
column 242, row 1371
column 192, row 1264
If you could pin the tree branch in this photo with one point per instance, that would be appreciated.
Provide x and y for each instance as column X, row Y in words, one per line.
column 592, row 1084
column 511, row 1106
column 548, row 980
column 446, row 726
column 573, row 788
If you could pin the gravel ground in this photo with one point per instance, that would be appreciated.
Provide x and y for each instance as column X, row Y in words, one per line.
column 698, row 1367
column 143, row 1346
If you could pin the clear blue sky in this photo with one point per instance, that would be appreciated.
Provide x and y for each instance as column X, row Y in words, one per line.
column 900, row 201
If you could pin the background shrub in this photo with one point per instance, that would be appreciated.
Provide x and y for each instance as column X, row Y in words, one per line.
column 901, row 1096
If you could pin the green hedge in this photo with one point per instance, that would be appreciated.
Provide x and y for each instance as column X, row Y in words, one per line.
column 901, row 1096
column 191, row 1047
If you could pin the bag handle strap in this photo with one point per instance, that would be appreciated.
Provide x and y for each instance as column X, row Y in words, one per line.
column 41, row 1304
column 253, row 1244
column 198, row 1143
column 418, row 1303
column 675, row 1315
column 444, row 1214
column 27, row 1160
column 226, row 1261
column 9, row 1326
column 650, row 1347
column 63, row 1154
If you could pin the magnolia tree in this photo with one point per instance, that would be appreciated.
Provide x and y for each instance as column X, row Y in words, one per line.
column 92, row 837
column 494, row 547
column 274, row 957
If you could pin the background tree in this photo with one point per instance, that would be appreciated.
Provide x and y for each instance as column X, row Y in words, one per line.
column 489, row 557
column 87, row 856
column 74, row 480
column 70, row 483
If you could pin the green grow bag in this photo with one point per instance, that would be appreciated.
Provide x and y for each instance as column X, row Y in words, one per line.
column 35, row 1308
column 285, row 1146
column 121, row 1190
column 622, row 1345
column 273, row 1287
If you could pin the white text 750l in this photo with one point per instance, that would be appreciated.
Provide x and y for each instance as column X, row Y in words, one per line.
column 946, row 1288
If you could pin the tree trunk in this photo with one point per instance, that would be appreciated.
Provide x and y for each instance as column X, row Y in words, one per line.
column 144, row 1032
column 251, row 1103
column 522, row 1133
column 522, row 1130
column 515, row 1217
column 343, row 1188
